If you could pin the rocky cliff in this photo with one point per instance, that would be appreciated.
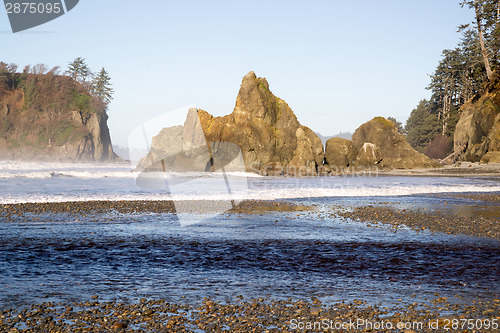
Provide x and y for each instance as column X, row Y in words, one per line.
column 376, row 143
column 52, row 118
column 477, row 135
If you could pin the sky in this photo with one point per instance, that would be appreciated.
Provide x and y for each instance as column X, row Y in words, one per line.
column 337, row 63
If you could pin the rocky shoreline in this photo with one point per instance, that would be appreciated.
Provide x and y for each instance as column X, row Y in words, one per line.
column 257, row 315
column 484, row 221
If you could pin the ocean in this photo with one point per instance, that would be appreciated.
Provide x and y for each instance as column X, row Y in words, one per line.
column 59, row 182
column 275, row 254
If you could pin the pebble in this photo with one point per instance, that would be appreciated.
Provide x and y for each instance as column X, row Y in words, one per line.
column 255, row 315
column 450, row 222
column 117, row 326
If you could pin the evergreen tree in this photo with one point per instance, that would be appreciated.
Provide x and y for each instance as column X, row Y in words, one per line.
column 457, row 78
column 101, row 86
column 8, row 75
column 446, row 86
column 461, row 74
column 398, row 125
column 473, row 75
column 486, row 23
column 422, row 126
column 78, row 70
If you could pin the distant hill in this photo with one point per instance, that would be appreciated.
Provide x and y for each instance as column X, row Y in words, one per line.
column 121, row 152
column 343, row 135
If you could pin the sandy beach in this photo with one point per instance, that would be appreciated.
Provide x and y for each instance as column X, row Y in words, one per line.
column 460, row 169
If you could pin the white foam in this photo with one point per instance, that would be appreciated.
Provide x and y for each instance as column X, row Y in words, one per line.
column 27, row 166
column 268, row 194
column 43, row 170
column 216, row 174
column 122, row 174
column 73, row 174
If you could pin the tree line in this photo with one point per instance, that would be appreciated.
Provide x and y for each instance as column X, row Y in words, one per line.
column 462, row 73
column 97, row 84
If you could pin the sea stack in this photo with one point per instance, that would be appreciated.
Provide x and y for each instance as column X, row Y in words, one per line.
column 262, row 126
column 376, row 143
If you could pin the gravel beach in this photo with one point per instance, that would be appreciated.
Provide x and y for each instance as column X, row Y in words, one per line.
column 480, row 217
column 11, row 212
column 258, row 315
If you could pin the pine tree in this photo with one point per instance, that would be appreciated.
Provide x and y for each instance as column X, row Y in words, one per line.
column 486, row 22
column 422, row 126
column 101, row 86
column 461, row 74
column 398, row 125
column 8, row 75
column 458, row 77
column 446, row 85
column 78, row 70
column 473, row 76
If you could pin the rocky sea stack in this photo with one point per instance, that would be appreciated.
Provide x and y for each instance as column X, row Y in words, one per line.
column 48, row 117
column 376, row 143
column 262, row 126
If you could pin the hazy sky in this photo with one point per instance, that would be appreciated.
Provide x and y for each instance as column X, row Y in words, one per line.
column 336, row 63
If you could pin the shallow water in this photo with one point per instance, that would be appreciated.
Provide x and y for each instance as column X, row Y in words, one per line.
column 276, row 255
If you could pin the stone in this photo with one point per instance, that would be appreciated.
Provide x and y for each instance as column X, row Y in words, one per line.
column 369, row 155
column 491, row 157
column 185, row 149
column 271, row 138
column 379, row 143
column 339, row 153
column 119, row 325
